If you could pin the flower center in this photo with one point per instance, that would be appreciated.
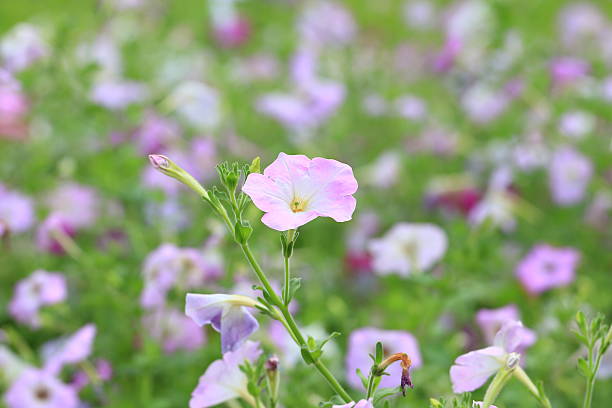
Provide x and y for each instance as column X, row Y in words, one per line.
column 298, row 204
column 42, row 393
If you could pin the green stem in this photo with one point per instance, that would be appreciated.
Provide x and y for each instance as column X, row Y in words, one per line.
column 286, row 288
column 370, row 387
column 291, row 324
column 522, row 376
column 588, row 396
column 498, row 383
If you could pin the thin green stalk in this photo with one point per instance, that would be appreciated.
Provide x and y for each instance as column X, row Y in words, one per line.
column 522, row 376
column 588, row 396
column 286, row 288
column 370, row 387
column 291, row 324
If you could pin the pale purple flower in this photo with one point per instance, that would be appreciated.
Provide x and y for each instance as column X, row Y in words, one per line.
column 363, row 342
column 70, row 350
column 569, row 174
column 227, row 314
column 156, row 133
column 173, row 330
column 546, row 267
column 22, row 46
column 478, row 404
column 577, row 124
column 445, row 59
column 118, row 94
column 326, row 23
column 197, row 103
column 473, row 369
column 294, row 190
column 498, row 204
column 411, row 107
column 76, row 203
column 40, row 389
column 47, row 232
column 103, row 371
column 420, row 14
column 408, row 248
column 579, row 22
column 483, row 104
column 492, row 320
column 169, row 266
column 385, row 171
column 566, row 71
column 223, row 380
column 16, row 211
column 360, row 404
column 41, row 288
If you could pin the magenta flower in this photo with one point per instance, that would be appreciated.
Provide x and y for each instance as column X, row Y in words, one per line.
column 16, row 212
column 473, row 369
column 223, row 380
column 232, row 32
column 547, row 267
column 492, row 320
column 227, row 314
column 360, row 404
column 408, row 248
column 155, row 134
column 294, row 190
column 363, row 341
column 39, row 289
column 70, row 350
column 40, row 389
column 565, row 71
column 569, row 175
column 173, row 330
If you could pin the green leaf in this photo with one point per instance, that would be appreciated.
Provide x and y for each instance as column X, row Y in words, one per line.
column 379, row 353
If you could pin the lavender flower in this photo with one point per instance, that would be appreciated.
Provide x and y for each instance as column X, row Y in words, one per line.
column 227, row 314
column 70, row 350
column 223, row 380
column 16, row 212
column 76, row 203
column 40, row 389
column 173, row 330
column 39, row 289
column 492, row 320
column 569, row 174
column 547, row 267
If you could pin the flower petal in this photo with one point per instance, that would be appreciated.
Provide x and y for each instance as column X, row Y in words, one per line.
column 237, row 324
column 473, row 369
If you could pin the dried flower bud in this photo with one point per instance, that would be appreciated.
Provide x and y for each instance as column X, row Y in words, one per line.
column 405, row 363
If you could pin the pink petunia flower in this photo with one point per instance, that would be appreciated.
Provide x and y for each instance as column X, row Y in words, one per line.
column 223, row 380
column 408, row 248
column 47, row 233
column 363, row 341
column 294, row 190
column 473, row 369
column 39, row 289
column 547, row 267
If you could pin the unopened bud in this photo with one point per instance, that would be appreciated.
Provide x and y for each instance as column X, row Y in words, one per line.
column 166, row 166
column 513, row 360
column 271, row 366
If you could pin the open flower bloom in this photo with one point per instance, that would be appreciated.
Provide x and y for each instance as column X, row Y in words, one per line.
column 473, row 369
column 294, row 190
column 227, row 314
column 223, row 380
column 70, row 350
column 360, row 404
column 16, row 211
column 39, row 289
column 547, row 267
column 40, row 389
column 363, row 341
column 408, row 248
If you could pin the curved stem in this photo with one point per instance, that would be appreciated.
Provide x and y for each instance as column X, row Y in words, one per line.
column 291, row 324
column 370, row 387
column 286, row 288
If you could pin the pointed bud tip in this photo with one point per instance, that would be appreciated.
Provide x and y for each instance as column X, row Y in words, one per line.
column 159, row 161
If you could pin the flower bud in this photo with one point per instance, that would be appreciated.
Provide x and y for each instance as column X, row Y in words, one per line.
column 405, row 363
column 272, row 378
column 166, row 166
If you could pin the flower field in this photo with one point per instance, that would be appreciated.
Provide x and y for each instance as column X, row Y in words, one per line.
column 305, row 203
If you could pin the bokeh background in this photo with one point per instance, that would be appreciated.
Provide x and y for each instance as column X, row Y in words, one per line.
column 441, row 108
